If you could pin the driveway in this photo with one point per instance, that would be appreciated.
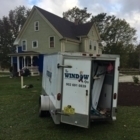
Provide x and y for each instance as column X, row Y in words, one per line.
column 127, row 78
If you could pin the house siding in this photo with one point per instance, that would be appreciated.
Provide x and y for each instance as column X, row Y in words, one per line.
column 82, row 45
column 71, row 47
column 92, row 35
column 42, row 36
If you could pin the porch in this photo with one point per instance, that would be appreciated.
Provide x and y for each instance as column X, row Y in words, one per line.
column 29, row 59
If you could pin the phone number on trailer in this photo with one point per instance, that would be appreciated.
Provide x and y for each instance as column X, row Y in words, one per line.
column 76, row 85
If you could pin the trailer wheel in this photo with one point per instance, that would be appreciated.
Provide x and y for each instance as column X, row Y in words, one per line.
column 43, row 113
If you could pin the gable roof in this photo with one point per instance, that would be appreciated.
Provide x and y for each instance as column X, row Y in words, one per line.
column 64, row 27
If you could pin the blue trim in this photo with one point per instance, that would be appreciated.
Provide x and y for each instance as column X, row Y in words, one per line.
column 40, row 62
column 20, row 49
column 14, row 59
column 20, row 62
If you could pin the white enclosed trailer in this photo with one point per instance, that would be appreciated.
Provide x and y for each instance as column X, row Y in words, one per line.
column 79, row 87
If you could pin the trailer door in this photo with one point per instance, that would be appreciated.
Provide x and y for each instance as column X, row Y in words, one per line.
column 76, row 92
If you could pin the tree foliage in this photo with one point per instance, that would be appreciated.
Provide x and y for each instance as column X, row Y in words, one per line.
column 114, row 30
column 80, row 15
column 118, row 36
column 134, row 59
column 9, row 29
column 17, row 18
column 5, row 40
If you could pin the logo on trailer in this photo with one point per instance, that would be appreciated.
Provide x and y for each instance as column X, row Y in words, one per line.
column 81, row 76
column 49, row 74
column 74, row 76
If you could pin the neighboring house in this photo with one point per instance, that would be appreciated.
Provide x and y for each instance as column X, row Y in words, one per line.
column 45, row 33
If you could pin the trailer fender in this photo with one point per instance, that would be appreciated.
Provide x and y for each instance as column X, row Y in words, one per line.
column 44, row 105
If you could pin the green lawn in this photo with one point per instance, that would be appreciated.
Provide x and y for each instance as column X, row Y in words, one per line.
column 4, row 73
column 19, row 118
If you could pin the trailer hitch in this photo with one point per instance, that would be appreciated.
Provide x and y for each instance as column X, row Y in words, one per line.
column 63, row 66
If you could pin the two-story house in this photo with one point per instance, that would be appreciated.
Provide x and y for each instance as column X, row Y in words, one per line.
column 45, row 33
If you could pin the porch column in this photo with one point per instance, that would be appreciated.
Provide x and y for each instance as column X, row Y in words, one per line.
column 27, row 61
column 11, row 61
column 22, row 62
column 31, row 60
column 18, row 63
column 31, row 64
column 24, row 57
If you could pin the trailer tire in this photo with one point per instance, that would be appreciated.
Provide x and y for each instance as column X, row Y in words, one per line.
column 43, row 113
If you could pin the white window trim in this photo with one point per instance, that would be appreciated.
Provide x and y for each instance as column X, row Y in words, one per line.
column 95, row 46
column 49, row 42
column 35, row 26
column 36, row 42
column 22, row 44
column 16, row 49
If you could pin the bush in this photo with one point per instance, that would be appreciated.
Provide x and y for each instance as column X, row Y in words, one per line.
column 135, row 79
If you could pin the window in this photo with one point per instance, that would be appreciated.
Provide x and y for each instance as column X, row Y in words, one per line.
column 24, row 45
column 34, row 44
column 94, row 46
column 36, row 25
column 51, row 42
column 90, row 45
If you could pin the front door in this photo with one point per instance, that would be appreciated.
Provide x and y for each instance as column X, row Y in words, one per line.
column 76, row 92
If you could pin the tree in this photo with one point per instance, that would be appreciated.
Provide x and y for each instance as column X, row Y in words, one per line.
column 118, row 36
column 113, row 30
column 17, row 18
column 9, row 29
column 126, row 52
column 80, row 15
column 136, row 57
column 5, row 40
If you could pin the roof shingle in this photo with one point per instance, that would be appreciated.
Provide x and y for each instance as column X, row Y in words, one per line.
column 64, row 27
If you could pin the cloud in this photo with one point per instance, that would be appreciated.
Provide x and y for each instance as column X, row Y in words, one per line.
column 58, row 7
column 129, row 5
column 7, row 5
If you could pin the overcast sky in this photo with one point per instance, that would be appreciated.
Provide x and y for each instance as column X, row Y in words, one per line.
column 124, row 9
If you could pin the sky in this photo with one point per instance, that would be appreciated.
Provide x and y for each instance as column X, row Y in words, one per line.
column 124, row 9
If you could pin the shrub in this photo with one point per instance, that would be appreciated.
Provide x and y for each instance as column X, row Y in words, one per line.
column 135, row 79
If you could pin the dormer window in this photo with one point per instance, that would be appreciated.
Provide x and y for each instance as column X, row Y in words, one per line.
column 36, row 25
column 51, row 42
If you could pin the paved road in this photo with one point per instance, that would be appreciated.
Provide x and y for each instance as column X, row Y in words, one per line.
column 127, row 78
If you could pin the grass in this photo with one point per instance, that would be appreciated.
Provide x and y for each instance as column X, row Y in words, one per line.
column 19, row 118
column 4, row 73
